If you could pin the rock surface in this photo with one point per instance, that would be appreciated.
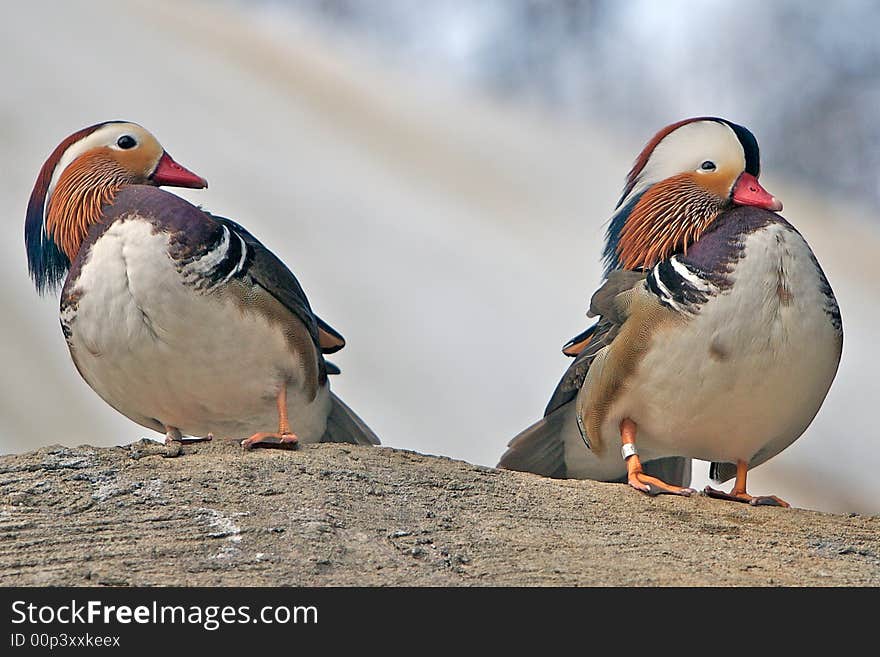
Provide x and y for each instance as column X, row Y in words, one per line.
column 344, row 515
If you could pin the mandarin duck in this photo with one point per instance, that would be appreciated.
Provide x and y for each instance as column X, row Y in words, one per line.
column 179, row 319
column 718, row 334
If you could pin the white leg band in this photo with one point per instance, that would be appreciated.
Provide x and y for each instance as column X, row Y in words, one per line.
column 627, row 450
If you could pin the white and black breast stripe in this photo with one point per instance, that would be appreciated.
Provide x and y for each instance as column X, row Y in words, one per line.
column 679, row 286
column 236, row 256
column 226, row 259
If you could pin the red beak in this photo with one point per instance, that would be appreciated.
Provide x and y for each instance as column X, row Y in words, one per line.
column 168, row 172
column 748, row 191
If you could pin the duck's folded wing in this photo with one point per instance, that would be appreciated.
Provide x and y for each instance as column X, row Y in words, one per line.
column 270, row 273
column 588, row 344
column 540, row 447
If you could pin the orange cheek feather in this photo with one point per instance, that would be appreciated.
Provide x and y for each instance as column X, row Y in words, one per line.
column 88, row 183
column 670, row 216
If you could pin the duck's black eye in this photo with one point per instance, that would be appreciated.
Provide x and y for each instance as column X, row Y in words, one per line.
column 708, row 165
column 126, row 142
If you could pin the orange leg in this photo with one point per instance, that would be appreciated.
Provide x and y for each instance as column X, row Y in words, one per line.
column 285, row 438
column 635, row 475
column 739, row 494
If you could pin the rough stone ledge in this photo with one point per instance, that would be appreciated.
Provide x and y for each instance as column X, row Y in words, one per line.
column 344, row 515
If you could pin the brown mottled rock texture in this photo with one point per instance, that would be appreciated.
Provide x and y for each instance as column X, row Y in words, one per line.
column 343, row 515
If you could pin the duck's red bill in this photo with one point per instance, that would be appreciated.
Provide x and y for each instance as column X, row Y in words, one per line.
column 170, row 173
column 748, row 191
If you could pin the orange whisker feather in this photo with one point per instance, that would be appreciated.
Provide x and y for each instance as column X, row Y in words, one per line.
column 84, row 188
column 669, row 217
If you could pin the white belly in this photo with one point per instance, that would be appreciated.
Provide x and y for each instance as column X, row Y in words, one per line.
column 165, row 355
column 748, row 373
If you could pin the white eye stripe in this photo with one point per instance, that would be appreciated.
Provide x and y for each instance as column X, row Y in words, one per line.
column 685, row 149
column 100, row 137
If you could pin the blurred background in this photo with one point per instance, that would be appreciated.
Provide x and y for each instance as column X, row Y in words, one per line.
column 439, row 174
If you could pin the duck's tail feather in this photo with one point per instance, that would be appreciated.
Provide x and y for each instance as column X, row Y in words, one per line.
column 344, row 426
